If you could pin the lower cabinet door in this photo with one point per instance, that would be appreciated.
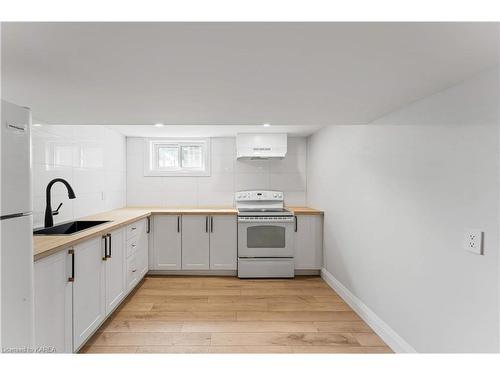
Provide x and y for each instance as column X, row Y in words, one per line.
column 115, row 269
column 89, row 290
column 54, row 304
column 308, row 242
column 195, row 242
column 223, row 242
column 166, row 242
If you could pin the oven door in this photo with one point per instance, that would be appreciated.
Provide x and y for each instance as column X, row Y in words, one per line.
column 265, row 238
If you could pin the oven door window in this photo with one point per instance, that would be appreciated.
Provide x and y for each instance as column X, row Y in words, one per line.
column 265, row 236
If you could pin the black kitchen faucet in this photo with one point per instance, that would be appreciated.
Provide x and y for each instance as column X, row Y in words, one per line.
column 49, row 220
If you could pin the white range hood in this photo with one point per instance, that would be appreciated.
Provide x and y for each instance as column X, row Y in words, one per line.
column 261, row 146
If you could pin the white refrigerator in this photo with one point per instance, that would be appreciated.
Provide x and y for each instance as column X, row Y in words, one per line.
column 16, row 257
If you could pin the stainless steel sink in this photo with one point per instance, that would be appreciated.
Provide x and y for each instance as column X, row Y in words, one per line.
column 71, row 227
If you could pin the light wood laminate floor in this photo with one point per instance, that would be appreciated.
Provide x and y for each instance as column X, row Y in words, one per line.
column 181, row 314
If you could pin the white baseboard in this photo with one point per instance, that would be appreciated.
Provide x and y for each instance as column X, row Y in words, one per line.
column 381, row 328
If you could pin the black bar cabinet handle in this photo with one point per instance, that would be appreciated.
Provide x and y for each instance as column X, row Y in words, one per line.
column 149, row 225
column 206, row 224
column 105, row 238
column 109, row 236
column 211, row 224
column 296, row 223
column 72, row 252
column 178, row 224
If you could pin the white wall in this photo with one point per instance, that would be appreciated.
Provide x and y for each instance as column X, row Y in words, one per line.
column 90, row 158
column 227, row 176
column 397, row 200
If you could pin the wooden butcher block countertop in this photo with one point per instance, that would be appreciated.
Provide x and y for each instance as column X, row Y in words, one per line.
column 305, row 211
column 44, row 246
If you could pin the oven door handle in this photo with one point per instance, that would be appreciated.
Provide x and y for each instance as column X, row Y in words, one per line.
column 273, row 221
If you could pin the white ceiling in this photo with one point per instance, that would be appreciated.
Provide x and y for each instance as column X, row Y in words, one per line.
column 235, row 73
column 211, row 131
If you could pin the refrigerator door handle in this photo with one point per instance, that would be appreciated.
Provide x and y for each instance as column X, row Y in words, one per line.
column 13, row 216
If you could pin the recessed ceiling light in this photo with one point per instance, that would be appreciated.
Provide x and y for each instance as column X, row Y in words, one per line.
column 37, row 125
column 159, row 125
column 266, row 125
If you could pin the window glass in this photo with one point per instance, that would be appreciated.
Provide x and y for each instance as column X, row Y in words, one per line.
column 168, row 156
column 192, row 157
column 177, row 157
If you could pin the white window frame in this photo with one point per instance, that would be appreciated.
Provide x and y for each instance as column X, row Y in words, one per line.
column 150, row 157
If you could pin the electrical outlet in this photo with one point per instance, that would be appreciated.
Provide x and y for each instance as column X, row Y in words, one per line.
column 473, row 241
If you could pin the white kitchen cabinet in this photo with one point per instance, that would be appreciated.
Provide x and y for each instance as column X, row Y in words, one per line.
column 135, row 229
column 142, row 249
column 89, row 290
column 53, row 303
column 132, row 272
column 166, row 242
column 195, row 242
column 136, row 265
column 223, row 242
column 115, row 269
column 308, row 242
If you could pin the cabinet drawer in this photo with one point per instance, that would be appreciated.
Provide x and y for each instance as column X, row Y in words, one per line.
column 132, row 245
column 132, row 272
column 135, row 228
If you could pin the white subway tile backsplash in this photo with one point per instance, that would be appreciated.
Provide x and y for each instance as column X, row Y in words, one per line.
column 177, row 198
column 215, row 198
column 186, row 184
column 216, row 182
column 252, row 166
column 135, row 146
column 292, row 163
column 91, row 155
column 87, row 180
column 91, row 158
column 287, row 181
column 223, row 145
column 114, row 199
column 295, row 198
column 222, row 163
column 44, row 173
column 227, row 176
column 252, row 181
column 88, row 204
column 140, row 198
column 144, row 183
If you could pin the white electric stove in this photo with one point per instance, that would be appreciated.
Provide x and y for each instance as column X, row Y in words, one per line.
column 265, row 235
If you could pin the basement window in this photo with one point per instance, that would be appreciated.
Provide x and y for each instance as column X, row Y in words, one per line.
column 176, row 157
